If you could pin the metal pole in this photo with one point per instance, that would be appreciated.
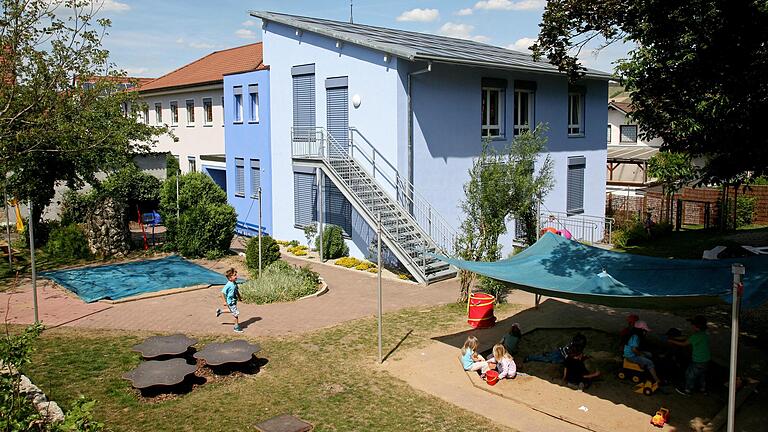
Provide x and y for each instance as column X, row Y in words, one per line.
column 259, row 197
column 320, row 204
column 32, row 259
column 7, row 225
column 378, row 254
column 738, row 273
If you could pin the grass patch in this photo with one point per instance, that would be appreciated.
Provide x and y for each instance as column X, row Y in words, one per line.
column 328, row 377
column 280, row 282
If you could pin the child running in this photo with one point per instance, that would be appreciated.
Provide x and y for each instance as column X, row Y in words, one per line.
column 505, row 364
column 470, row 359
column 230, row 294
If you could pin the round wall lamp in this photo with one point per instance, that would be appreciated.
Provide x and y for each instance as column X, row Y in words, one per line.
column 356, row 101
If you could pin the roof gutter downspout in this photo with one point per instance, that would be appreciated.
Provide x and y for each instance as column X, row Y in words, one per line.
column 410, row 130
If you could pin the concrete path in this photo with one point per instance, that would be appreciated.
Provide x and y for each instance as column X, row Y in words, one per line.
column 352, row 295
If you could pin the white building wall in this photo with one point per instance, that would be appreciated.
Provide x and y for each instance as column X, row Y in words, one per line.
column 192, row 140
column 617, row 118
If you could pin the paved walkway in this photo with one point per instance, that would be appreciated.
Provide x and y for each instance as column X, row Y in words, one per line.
column 352, row 295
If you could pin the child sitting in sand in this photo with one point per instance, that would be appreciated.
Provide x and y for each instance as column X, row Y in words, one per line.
column 575, row 372
column 512, row 339
column 470, row 359
column 505, row 364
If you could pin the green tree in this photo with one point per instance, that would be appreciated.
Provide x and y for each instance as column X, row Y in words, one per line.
column 501, row 185
column 52, row 127
column 697, row 76
column 673, row 171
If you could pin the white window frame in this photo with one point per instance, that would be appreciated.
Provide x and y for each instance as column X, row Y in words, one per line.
column 174, row 107
column 207, row 110
column 190, row 112
column 253, row 103
column 145, row 114
column 576, row 129
column 238, row 108
column 608, row 135
column 192, row 161
column 621, row 134
column 222, row 111
column 519, row 125
column 485, row 126
column 158, row 113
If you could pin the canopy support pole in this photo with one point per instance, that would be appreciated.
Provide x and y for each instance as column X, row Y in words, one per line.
column 737, row 290
column 537, row 299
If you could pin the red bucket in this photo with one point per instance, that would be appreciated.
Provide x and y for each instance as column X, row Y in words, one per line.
column 480, row 310
column 491, row 377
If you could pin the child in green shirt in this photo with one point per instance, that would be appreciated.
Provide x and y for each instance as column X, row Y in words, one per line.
column 695, row 375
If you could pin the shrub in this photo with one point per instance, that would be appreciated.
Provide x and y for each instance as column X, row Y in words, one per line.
column 373, row 270
column 333, row 242
column 203, row 201
column 171, row 166
column 74, row 206
column 68, row 242
column 365, row 266
column 310, row 232
column 282, row 242
column 403, row 276
column 293, row 243
column 270, row 252
column 745, row 211
column 133, row 186
column 347, row 262
column 280, row 282
column 205, row 229
column 494, row 288
column 298, row 250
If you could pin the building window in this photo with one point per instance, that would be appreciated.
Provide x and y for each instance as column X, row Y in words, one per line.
column 255, row 178
column 158, row 113
column 304, row 197
column 608, row 136
column 575, row 114
column 222, row 111
column 237, row 109
column 207, row 111
column 239, row 177
column 575, row 185
column 492, row 107
column 628, row 133
column 174, row 113
column 145, row 114
column 523, row 110
column 253, row 102
column 192, row 163
column 124, row 108
column 190, row 112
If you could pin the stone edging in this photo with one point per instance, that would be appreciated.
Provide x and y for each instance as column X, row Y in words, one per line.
column 50, row 410
column 320, row 291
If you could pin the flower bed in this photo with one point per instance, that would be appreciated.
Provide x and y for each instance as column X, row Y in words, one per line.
column 352, row 262
column 280, row 282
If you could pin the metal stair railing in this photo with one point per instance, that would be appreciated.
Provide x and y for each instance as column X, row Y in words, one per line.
column 426, row 216
column 592, row 229
column 397, row 223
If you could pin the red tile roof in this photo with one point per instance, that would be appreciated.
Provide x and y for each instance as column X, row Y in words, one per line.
column 626, row 107
column 211, row 68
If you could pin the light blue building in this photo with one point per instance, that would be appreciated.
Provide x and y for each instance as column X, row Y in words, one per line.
column 368, row 123
column 248, row 150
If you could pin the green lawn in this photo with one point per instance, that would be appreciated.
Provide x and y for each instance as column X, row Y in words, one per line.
column 690, row 243
column 329, row 377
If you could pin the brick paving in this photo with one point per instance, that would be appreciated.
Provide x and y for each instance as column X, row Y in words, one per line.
column 352, row 295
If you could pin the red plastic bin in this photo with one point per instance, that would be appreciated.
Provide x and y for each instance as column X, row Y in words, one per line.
column 480, row 310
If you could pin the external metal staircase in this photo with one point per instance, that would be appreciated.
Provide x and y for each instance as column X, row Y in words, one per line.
column 411, row 228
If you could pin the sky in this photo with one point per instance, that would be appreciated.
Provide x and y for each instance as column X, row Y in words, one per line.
column 149, row 38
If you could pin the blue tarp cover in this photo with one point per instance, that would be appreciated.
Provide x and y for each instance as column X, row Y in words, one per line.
column 119, row 281
column 562, row 268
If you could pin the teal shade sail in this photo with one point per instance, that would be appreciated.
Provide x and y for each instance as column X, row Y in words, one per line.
column 557, row 267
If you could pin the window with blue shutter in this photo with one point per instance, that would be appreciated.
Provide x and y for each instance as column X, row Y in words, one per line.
column 575, row 185
column 304, row 196
column 239, row 177
column 304, row 97
column 338, row 211
column 255, row 178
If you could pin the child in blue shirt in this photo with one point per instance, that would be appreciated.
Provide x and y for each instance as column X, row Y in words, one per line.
column 230, row 294
column 470, row 359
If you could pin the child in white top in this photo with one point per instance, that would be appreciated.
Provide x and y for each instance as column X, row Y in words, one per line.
column 505, row 364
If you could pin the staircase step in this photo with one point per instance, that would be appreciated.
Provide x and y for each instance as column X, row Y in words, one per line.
column 442, row 275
